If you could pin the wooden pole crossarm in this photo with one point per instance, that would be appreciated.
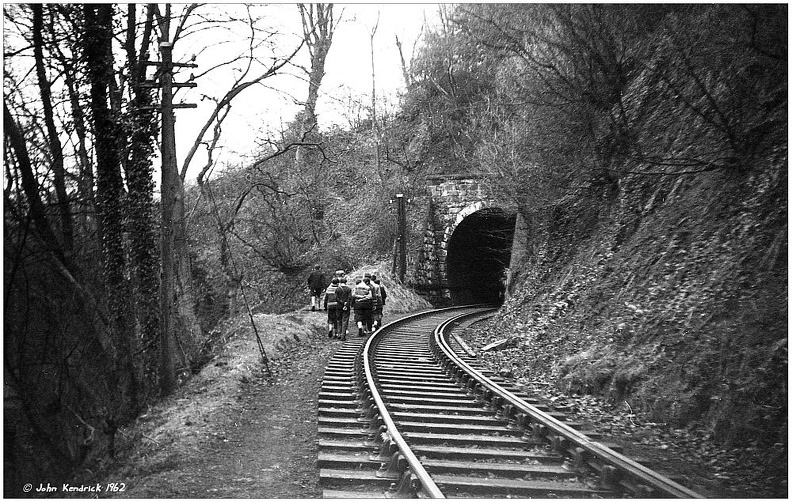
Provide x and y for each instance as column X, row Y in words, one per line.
column 151, row 85
column 174, row 106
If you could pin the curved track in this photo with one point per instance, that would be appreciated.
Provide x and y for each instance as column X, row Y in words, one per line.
column 408, row 413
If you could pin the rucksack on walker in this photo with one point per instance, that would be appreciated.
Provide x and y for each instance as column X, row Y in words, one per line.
column 330, row 297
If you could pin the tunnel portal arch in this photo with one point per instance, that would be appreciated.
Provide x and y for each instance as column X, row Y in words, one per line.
column 466, row 243
column 478, row 255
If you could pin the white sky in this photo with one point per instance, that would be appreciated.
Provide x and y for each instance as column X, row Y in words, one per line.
column 347, row 74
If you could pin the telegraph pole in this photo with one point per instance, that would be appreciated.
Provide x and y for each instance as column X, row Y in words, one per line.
column 402, row 224
column 168, row 199
column 170, row 192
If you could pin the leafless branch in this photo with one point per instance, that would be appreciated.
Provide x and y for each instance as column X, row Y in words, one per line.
column 226, row 101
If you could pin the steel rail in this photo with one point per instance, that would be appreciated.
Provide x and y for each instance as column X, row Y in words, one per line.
column 415, row 466
column 623, row 464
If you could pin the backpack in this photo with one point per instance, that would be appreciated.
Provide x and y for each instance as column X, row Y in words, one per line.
column 330, row 297
column 363, row 295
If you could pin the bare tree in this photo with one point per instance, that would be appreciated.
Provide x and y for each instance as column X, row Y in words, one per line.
column 318, row 25
column 375, row 128
column 56, row 151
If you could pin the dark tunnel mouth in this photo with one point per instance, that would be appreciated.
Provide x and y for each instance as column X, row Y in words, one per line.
column 478, row 255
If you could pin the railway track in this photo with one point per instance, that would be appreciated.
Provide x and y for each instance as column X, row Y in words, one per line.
column 408, row 413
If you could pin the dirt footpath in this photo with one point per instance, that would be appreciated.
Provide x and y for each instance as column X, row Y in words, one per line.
column 258, row 441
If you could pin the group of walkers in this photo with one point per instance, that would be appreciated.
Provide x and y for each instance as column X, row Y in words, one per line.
column 366, row 299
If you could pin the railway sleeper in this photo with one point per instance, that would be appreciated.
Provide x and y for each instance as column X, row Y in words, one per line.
column 389, row 377
column 532, row 455
column 446, row 393
column 482, row 420
column 405, row 343
column 337, row 372
column 338, row 412
column 344, row 382
column 352, row 494
column 348, row 355
column 408, row 371
column 418, row 402
column 350, row 432
column 463, row 486
column 342, row 388
column 338, row 396
column 447, row 409
column 335, row 403
column 468, row 439
column 347, row 460
column 407, row 350
column 348, row 444
column 344, row 379
column 347, row 422
column 498, row 430
column 335, row 366
column 345, row 364
column 355, row 476
column 405, row 361
column 387, row 385
column 492, row 470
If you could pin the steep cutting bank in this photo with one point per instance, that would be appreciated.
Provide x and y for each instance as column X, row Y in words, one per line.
column 668, row 293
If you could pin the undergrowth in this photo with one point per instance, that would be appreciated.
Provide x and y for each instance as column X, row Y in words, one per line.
column 675, row 299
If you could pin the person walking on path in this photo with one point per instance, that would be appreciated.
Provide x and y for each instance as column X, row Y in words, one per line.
column 331, row 306
column 377, row 306
column 363, row 302
column 316, row 284
column 344, row 300
column 377, row 313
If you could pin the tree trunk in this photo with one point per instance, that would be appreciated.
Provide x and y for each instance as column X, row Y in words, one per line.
column 144, row 251
column 110, row 192
column 405, row 72
column 318, row 29
column 375, row 129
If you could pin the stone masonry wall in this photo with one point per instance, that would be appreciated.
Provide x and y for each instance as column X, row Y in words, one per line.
column 451, row 199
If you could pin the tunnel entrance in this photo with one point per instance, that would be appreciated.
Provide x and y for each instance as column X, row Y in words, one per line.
column 478, row 254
